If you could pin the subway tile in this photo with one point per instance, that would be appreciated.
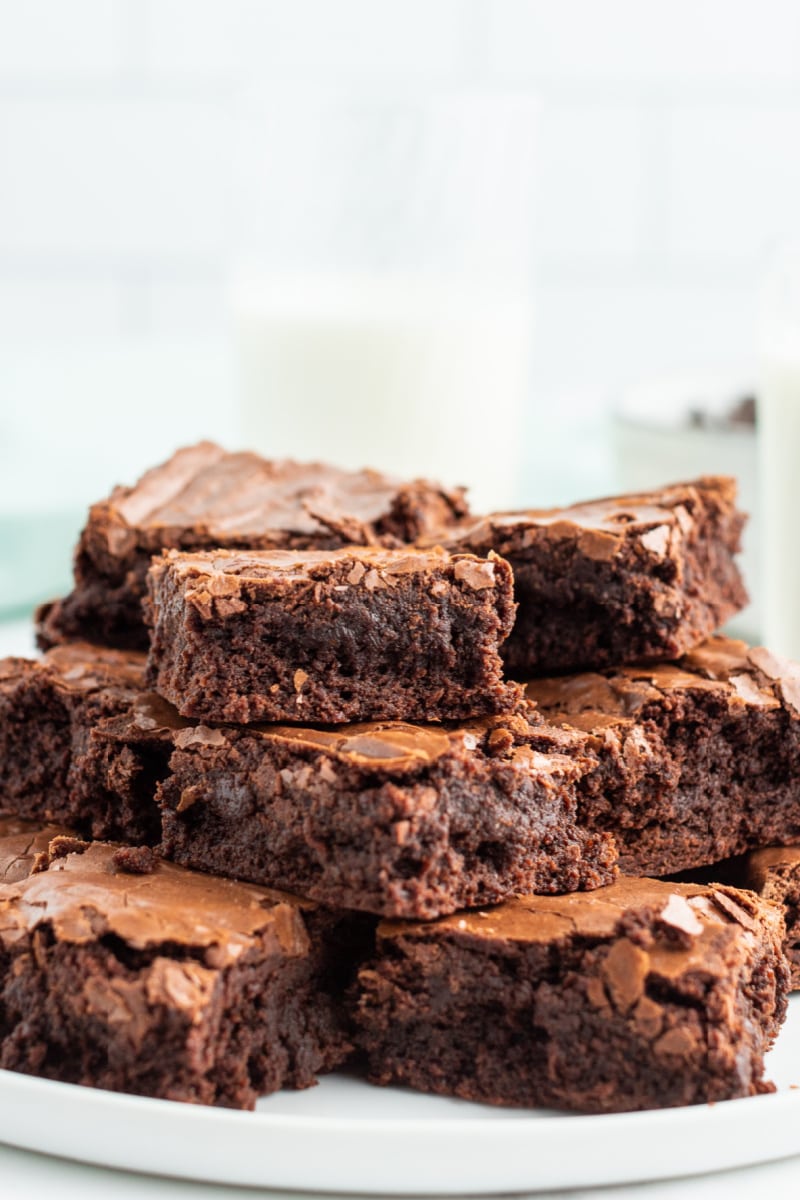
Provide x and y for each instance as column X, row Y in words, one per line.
column 55, row 40
column 590, row 181
column 124, row 178
column 701, row 42
column 349, row 37
column 187, row 305
column 40, row 305
column 601, row 334
column 190, row 39
column 734, row 180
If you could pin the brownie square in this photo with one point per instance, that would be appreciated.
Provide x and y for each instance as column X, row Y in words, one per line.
column 48, row 710
column 695, row 760
column 330, row 635
column 204, row 498
column 640, row 995
column 163, row 983
column 389, row 818
column 617, row 580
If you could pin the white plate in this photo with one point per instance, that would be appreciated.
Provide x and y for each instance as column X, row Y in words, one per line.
column 345, row 1136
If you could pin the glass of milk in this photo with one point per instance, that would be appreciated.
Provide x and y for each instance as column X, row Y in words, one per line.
column 779, row 450
column 382, row 296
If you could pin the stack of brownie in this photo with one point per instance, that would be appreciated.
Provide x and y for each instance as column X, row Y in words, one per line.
column 273, row 804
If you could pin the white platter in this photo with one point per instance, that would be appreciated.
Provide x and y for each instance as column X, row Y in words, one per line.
column 345, row 1136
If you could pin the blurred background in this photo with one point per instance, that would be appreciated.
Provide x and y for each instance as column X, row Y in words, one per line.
column 520, row 245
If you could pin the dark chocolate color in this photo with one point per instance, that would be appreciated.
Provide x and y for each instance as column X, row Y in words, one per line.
column 640, row 995
column 616, row 580
column 330, row 636
column 167, row 984
column 696, row 760
column 205, row 497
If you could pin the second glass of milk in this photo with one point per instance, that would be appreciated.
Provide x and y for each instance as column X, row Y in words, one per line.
column 383, row 312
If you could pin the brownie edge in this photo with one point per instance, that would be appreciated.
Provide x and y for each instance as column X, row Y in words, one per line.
column 640, row 995
column 205, row 497
column 357, row 634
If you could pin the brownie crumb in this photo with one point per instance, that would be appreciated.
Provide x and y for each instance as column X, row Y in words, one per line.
column 134, row 860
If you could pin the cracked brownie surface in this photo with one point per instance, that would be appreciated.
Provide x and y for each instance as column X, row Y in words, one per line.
column 695, row 760
column 204, row 496
column 140, row 977
column 640, row 995
column 330, row 636
column 616, row 580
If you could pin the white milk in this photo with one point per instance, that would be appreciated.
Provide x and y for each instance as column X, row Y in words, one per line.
column 408, row 376
column 779, row 471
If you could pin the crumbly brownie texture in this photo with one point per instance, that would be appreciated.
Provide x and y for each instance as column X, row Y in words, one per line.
column 696, row 760
column 617, row 580
column 48, row 710
column 166, row 984
column 205, row 497
column 23, row 847
column 641, row 995
column 392, row 818
column 389, row 818
column 774, row 874
column 330, row 636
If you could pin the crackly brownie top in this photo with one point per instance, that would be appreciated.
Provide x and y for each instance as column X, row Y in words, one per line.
column 689, row 916
column 748, row 676
column 86, row 894
column 79, row 667
column 224, row 495
column 656, row 522
column 23, row 846
column 395, row 746
column 368, row 567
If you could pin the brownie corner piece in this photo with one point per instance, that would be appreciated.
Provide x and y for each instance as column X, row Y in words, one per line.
column 205, row 497
column 330, row 636
column 166, row 984
column 640, row 995
column 618, row 580
column 50, row 710
column 696, row 760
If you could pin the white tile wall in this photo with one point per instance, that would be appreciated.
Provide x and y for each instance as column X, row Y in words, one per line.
column 117, row 178
column 668, row 156
column 668, row 43
column 43, row 42
column 591, row 181
column 734, row 179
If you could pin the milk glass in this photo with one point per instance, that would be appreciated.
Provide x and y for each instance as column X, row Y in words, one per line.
column 382, row 296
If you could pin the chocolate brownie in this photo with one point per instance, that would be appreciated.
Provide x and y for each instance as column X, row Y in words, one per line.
column 48, row 710
column 205, row 498
column 23, row 847
column 616, row 580
column 393, row 818
column 774, row 874
column 330, row 635
column 640, row 995
column 167, row 984
column 390, row 818
column 696, row 760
